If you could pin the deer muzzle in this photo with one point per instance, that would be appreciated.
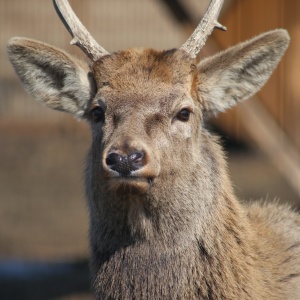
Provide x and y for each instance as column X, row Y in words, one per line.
column 129, row 169
column 124, row 165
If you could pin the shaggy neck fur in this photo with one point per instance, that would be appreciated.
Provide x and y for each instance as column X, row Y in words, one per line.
column 140, row 243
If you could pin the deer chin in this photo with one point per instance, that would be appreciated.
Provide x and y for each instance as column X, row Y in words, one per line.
column 130, row 185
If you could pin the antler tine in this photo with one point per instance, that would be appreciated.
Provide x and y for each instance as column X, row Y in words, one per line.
column 209, row 21
column 81, row 36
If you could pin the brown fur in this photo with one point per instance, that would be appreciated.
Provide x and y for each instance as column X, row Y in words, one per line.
column 175, row 230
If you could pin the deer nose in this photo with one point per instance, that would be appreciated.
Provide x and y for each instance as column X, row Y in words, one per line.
column 125, row 164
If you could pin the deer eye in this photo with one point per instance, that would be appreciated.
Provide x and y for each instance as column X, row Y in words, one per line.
column 183, row 115
column 98, row 114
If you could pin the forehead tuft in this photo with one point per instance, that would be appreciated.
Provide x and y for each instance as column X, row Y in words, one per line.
column 141, row 66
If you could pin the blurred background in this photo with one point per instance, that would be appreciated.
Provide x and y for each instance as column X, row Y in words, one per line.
column 43, row 215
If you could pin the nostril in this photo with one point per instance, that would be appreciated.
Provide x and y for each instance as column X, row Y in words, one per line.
column 136, row 160
column 118, row 163
column 136, row 157
column 113, row 159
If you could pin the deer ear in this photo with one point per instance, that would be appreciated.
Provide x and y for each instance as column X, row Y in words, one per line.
column 52, row 76
column 239, row 72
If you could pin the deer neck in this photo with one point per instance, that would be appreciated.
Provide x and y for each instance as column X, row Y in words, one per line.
column 144, row 266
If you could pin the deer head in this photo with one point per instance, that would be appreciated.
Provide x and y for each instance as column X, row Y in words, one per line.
column 146, row 108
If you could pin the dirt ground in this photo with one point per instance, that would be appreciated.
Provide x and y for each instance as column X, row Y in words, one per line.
column 43, row 215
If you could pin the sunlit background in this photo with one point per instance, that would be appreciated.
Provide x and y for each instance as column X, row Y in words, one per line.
column 43, row 216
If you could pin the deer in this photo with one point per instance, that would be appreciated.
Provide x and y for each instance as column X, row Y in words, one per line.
column 164, row 220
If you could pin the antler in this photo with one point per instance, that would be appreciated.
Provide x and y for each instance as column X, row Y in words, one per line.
column 209, row 21
column 81, row 36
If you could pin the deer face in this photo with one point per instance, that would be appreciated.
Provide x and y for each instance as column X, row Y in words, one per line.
column 146, row 105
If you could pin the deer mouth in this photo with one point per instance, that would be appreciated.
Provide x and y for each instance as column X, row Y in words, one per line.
column 131, row 185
